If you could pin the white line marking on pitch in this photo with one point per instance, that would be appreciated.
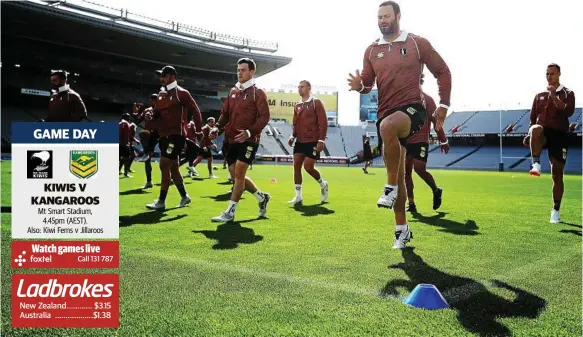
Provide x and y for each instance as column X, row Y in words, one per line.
column 453, row 295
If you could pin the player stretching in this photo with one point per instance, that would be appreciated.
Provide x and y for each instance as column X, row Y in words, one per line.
column 366, row 154
column 417, row 153
column 310, row 125
column 172, row 101
column 396, row 60
column 148, row 136
column 244, row 115
column 205, row 147
column 549, row 126
column 65, row 104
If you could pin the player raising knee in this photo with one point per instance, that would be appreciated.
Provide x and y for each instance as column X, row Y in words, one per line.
column 309, row 132
column 549, row 127
column 206, row 144
column 396, row 61
column 244, row 115
column 417, row 153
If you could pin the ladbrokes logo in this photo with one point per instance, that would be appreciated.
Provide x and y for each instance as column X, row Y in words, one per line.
column 39, row 164
column 54, row 289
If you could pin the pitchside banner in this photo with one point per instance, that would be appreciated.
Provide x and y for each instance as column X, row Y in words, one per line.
column 282, row 104
column 65, row 182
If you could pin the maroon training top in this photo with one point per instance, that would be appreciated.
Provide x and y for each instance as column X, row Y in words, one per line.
column 66, row 105
column 422, row 136
column 398, row 66
column 124, row 133
column 172, row 105
column 310, row 123
column 245, row 108
column 544, row 111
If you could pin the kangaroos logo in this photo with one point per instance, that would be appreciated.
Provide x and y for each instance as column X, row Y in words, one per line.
column 83, row 163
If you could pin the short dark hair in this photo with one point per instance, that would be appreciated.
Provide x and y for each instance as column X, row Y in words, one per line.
column 153, row 96
column 554, row 65
column 393, row 4
column 247, row 61
column 306, row 82
column 61, row 73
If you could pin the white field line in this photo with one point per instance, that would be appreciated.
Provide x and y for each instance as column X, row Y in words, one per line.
column 452, row 295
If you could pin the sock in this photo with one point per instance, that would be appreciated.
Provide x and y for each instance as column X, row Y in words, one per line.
column 535, row 160
column 149, row 171
column 258, row 195
column 557, row 205
column 401, row 227
column 182, row 190
column 320, row 181
column 392, row 187
column 298, row 190
column 163, row 195
column 231, row 208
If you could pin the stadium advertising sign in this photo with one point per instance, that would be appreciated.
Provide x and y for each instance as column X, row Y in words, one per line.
column 282, row 104
column 369, row 106
column 65, row 187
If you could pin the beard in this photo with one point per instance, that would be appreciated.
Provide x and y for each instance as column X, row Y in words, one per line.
column 388, row 30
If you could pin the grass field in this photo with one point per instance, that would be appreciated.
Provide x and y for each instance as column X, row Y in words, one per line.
column 329, row 270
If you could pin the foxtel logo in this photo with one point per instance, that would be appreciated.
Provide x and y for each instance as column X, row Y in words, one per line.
column 54, row 289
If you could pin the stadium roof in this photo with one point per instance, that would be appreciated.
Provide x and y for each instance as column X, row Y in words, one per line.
column 118, row 32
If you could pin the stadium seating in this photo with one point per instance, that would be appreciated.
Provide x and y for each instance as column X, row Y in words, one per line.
column 440, row 160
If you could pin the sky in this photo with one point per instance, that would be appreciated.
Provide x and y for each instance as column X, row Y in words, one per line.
column 496, row 50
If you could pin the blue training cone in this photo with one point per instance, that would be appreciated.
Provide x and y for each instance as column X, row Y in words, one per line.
column 426, row 296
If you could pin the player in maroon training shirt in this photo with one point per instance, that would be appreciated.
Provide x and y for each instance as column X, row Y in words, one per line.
column 244, row 115
column 148, row 136
column 310, row 126
column 396, row 62
column 65, row 104
column 192, row 149
column 416, row 158
column 173, row 101
column 124, row 144
column 549, row 127
column 206, row 144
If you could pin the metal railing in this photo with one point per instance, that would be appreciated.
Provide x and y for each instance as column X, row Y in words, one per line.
column 173, row 27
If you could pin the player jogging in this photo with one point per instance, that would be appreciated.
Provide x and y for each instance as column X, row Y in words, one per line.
column 148, row 136
column 310, row 126
column 172, row 101
column 417, row 153
column 366, row 154
column 205, row 147
column 396, row 61
column 549, row 127
column 192, row 149
column 124, row 144
column 244, row 114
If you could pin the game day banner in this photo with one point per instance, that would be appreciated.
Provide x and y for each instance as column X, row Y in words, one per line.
column 65, row 214
column 282, row 104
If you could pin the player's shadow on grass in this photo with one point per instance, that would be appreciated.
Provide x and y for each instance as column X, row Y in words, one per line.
column 313, row 210
column 230, row 235
column 572, row 231
column 221, row 197
column 134, row 191
column 478, row 309
column 570, row 224
column 148, row 218
column 449, row 226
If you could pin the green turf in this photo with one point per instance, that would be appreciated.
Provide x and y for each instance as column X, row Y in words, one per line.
column 329, row 270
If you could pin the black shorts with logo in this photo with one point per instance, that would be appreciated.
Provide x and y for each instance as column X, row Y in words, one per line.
column 205, row 154
column 557, row 143
column 416, row 112
column 244, row 152
column 171, row 146
column 307, row 149
column 419, row 151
